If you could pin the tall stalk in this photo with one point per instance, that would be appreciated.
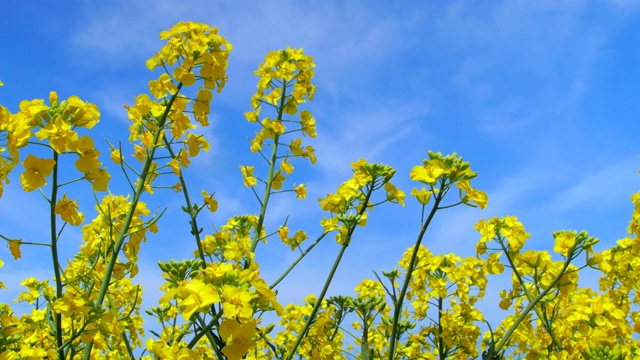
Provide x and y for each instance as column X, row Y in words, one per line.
column 54, row 253
column 318, row 303
column 270, row 174
column 104, row 287
column 412, row 263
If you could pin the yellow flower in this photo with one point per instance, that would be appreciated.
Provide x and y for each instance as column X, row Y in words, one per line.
column 238, row 337
column 429, row 173
column 564, row 241
column 88, row 160
column 301, row 191
column 14, row 247
column 209, row 201
column 60, row 136
column 195, row 143
column 247, row 174
column 36, row 171
column 514, row 232
column 236, row 302
column 276, row 183
column 199, row 296
column 202, row 104
column 75, row 306
column 99, row 179
column 494, row 266
column 308, row 123
column 394, row 194
column 116, row 156
column 286, row 166
column 175, row 166
column 83, row 113
column 470, row 194
column 180, row 124
column 423, row 195
column 251, row 116
column 68, row 211
column 183, row 75
column 309, row 154
column 283, row 233
column 177, row 187
column 295, row 241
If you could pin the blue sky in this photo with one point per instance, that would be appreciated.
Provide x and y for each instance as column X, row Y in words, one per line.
column 537, row 95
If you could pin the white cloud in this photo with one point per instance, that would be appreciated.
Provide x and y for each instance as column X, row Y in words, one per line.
column 603, row 188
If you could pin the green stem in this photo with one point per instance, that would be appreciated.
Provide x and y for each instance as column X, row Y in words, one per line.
column 106, row 280
column 529, row 295
column 205, row 329
column 54, row 253
column 272, row 166
column 286, row 272
column 531, row 305
column 192, row 213
column 316, row 307
column 441, row 343
column 412, row 263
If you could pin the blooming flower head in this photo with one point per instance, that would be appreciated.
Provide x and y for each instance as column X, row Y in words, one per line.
column 36, row 172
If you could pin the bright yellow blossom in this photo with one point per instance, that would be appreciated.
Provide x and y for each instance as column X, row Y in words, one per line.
column 394, row 194
column 301, row 191
column 60, row 135
column 423, row 196
column 470, row 194
column 429, row 173
column 68, row 211
column 277, row 181
column 36, row 172
column 209, row 201
column 238, row 338
column 564, row 241
column 247, row 174
column 236, row 303
column 14, row 247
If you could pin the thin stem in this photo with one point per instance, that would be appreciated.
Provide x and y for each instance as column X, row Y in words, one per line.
column 286, row 272
column 270, row 176
column 192, row 213
column 441, row 343
column 412, row 263
column 132, row 207
column 316, row 307
column 318, row 303
column 54, row 252
column 531, row 305
column 541, row 316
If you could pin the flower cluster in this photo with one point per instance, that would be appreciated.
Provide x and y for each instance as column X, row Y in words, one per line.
column 194, row 53
column 442, row 171
column 284, row 85
column 348, row 206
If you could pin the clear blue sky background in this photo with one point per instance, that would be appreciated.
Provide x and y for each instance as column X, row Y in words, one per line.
column 540, row 96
